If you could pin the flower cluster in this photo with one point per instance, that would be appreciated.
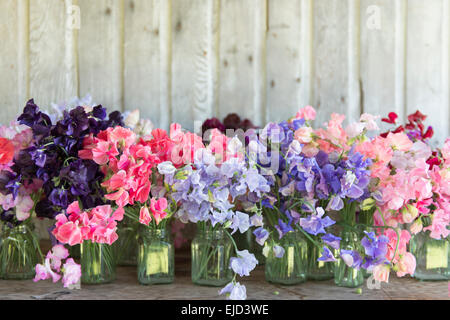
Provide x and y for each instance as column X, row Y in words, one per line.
column 53, row 158
column 53, row 266
column 98, row 225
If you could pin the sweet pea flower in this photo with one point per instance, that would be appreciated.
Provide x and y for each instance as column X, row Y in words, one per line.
column 158, row 208
column 381, row 273
column 406, row 264
column 244, row 263
column 307, row 113
column 72, row 273
column 234, row 291
column 6, row 151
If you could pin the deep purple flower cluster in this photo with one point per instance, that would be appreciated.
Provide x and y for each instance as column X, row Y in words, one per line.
column 54, row 160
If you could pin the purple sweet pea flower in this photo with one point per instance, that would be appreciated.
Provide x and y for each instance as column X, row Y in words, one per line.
column 278, row 251
column 235, row 291
column 331, row 240
column 283, row 228
column 327, row 255
column 261, row 235
column 240, row 221
column 244, row 264
column 351, row 258
column 314, row 224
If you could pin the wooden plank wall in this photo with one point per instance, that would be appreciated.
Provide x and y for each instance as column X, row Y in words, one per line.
column 186, row 60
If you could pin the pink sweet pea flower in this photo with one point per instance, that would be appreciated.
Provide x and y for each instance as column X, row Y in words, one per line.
column 304, row 135
column 381, row 273
column 72, row 273
column 406, row 264
column 24, row 206
column 144, row 216
column 157, row 207
column 307, row 113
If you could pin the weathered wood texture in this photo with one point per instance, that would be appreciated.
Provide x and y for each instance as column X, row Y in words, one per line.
column 184, row 61
column 126, row 287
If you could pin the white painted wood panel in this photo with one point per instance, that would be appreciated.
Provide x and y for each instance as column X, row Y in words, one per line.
column 13, row 60
column 52, row 56
column 330, row 51
column 142, row 58
column 378, row 57
column 194, row 61
column 424, row 64
column 100, row 51
column 240, row 30
column 284, row 63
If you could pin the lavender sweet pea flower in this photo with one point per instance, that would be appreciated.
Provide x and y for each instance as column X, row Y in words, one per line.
column 261, row 235
column 336, row 203
column 331, row 240
column 278, row 251
column 244, row 264
column 283, row 228
column 327, row 255
column 351, row 258
column 240, row 221
column 314, row 224
column 235, row 291
column 256, row 220
column 375, row 249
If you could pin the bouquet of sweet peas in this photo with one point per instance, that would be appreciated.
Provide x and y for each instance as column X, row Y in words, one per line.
column 318, row 170
column 208, row 192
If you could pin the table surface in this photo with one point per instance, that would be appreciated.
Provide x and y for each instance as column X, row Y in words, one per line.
column 126, row 287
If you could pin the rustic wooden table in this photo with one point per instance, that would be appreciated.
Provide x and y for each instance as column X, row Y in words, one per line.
column 126, row 287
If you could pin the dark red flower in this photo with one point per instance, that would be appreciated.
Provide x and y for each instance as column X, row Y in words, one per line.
column 429, row 133
column 392, row 118
column 416, row 117
column 232, row 121
column 434, row 161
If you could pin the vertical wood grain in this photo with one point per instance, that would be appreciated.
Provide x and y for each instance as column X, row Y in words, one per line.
column 13, row 58
column 331, row 65
column 378, row 57
column 238, row 26
column 142, row 58
column 446, row 65
column 165, row 70
column 354, row 93
column 306, row 54
column 100, row 51
column 53, row 74
column 194, row 61
column 284, row 60
column 400, row 59
column 424, row 81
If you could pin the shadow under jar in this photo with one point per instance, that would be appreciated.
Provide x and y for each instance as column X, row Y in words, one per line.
column 211, row 250
column 293, row 266
column 432, row 257
column 98, row 263
column 19, row 252
column 155, row 260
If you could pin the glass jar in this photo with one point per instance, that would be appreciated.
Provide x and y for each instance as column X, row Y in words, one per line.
column 432, row 257
column 127, row 243
column 211, row 252
column 98, row 263
column 318, row 270
column 155, row 259
column 345, row 276
column 292, row 268
column 19, row 252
